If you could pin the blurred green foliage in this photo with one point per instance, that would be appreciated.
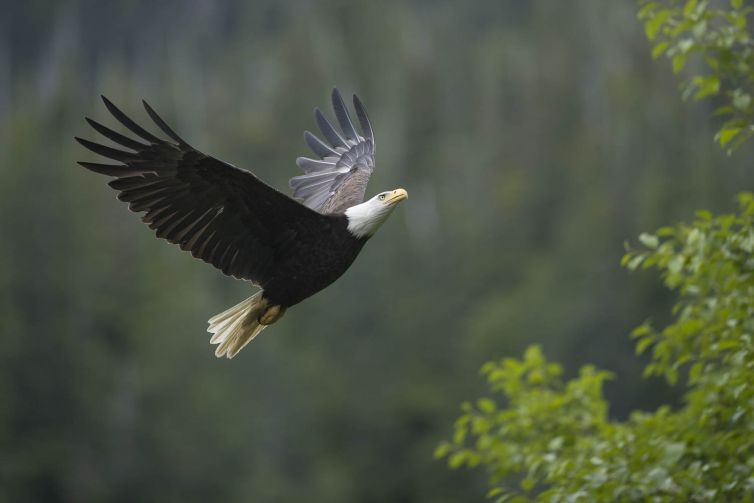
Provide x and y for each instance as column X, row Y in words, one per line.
column 556, row 435
column 527, row 136
column 715, row 36
column 552, row 439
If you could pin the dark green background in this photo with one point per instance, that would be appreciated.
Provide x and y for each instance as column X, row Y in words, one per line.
column 534, row 138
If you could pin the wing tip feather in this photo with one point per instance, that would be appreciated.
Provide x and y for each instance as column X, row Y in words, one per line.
column 163, row 125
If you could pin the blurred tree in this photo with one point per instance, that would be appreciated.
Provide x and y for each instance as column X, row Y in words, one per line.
column 555, row 436
column 715, row 37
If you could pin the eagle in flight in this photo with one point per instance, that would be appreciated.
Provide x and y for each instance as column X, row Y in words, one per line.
column 289, row 247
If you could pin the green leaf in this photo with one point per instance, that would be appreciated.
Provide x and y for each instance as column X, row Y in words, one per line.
column 624, row 259
column 708, row 85
column 699, row 29
column 671, row 375
column 635, row 262
column 486, row 405
column 704, row 215
column 442, row 450
column 695, row 372
column 495, row 491
column 685, row 45
column 647, row 9
column 690, row 7
column 643, row 344
column 728, row 133
column 672, row 452
column 641, row 330
column 457, row 460
column 656, row 22
column 459, row 436
column 659, row 49
column 528, row 484
column 649, row 240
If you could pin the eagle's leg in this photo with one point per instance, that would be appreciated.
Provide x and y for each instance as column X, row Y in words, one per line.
column 271, row 314
column 234, row 328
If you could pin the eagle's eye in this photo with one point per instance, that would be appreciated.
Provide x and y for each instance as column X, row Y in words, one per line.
column 382, row 197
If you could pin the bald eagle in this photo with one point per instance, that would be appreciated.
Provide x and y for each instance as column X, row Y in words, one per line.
column 289, row 247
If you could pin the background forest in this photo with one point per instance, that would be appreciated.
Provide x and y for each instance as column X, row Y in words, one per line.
column 534, row 138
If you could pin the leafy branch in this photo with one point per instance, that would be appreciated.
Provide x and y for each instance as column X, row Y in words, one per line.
column 545, row 439
column 715, row 48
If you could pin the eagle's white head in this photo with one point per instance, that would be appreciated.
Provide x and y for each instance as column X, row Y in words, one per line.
column 364, row 219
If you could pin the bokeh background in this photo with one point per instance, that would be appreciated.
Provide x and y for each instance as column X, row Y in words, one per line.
column 534, row 138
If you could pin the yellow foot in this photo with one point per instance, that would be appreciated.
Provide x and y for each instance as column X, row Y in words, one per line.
column 271, row 315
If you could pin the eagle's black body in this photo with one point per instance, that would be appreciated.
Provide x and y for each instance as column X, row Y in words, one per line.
column 229, row 218
column 305, row 270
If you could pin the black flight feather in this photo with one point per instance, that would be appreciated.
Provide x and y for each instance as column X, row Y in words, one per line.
column 116, row 137
column 123, row 119
column 219, row 213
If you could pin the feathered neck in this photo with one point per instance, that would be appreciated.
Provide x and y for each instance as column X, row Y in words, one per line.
column 364, row 219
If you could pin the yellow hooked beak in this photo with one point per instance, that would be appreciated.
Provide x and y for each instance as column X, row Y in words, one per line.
column 397, row 196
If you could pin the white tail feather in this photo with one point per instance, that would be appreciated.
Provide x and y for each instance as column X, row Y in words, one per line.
column 234, row 328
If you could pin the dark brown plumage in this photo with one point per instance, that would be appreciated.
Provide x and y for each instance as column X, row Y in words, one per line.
column 229, row 218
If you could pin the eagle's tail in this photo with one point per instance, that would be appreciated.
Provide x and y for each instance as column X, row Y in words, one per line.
column 234, row 328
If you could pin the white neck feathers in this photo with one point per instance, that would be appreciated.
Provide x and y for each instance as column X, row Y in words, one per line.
column 364, row 219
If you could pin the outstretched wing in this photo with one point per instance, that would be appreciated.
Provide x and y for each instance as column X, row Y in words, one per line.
column 223, row 215
column 339, row 180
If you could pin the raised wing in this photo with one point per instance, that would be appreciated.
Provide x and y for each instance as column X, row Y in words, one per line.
column 223, row 215
column 339, row 180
